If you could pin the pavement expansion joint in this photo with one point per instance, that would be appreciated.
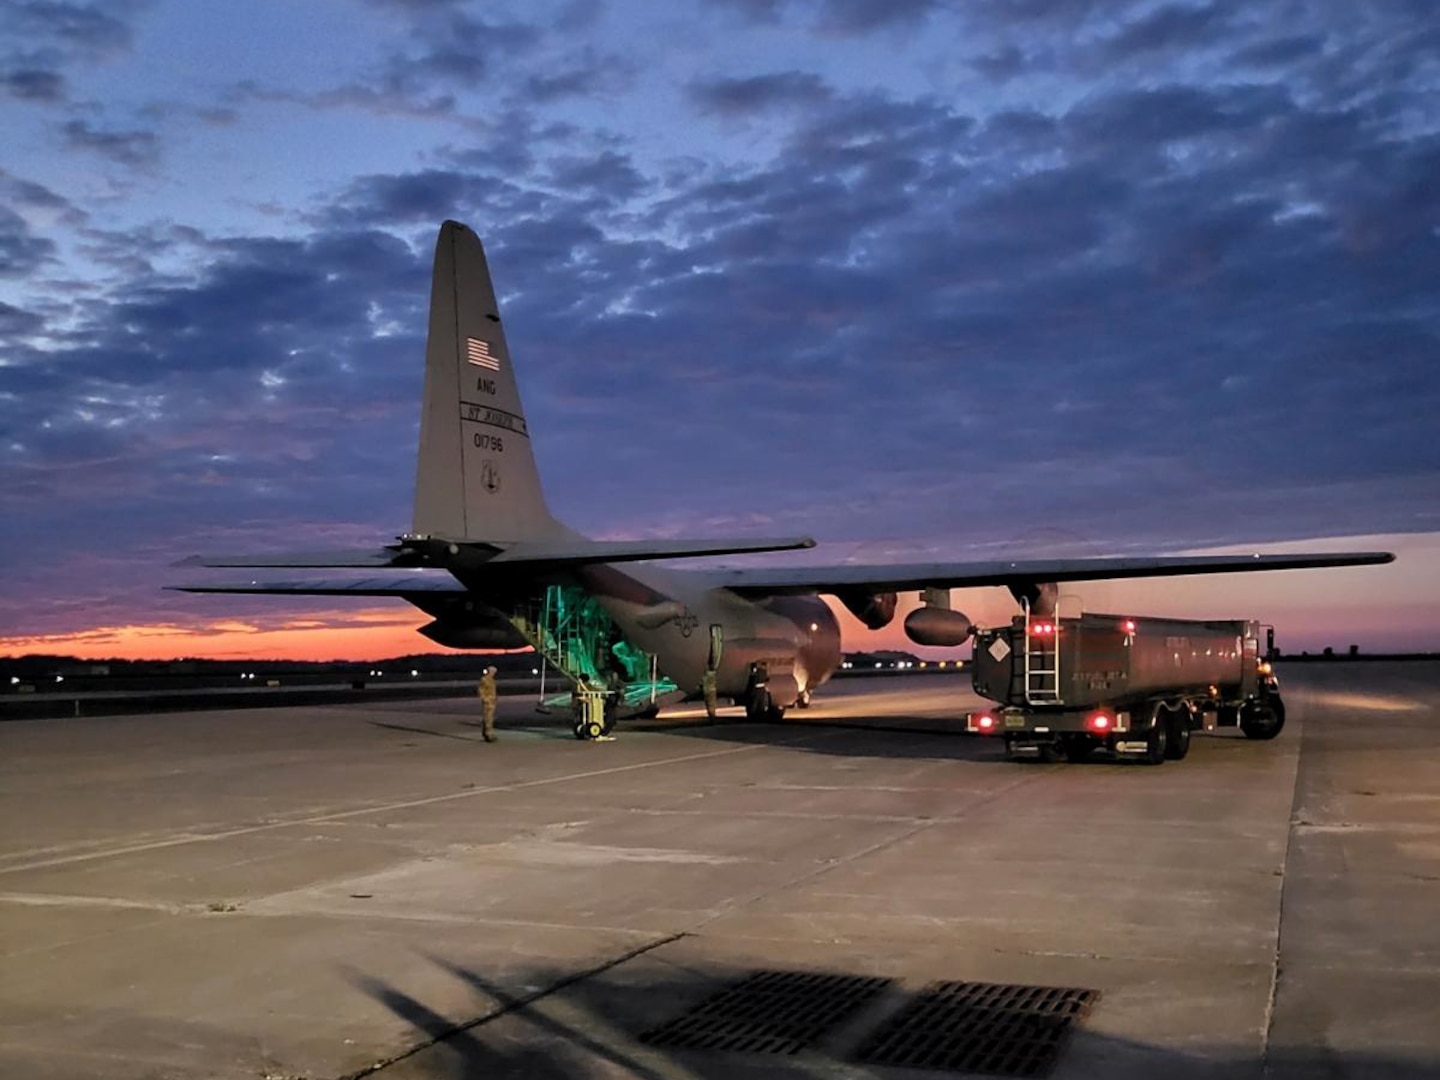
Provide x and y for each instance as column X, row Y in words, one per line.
column 517, row 1004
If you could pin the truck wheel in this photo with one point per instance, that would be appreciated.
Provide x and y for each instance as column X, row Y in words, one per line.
column 1157, row 741
column 1177, row 738
column 1262, row 718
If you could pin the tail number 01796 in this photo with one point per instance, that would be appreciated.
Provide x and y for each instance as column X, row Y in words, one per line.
column 489, row 442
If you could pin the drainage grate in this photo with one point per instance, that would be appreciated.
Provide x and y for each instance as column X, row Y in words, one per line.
column 769, row 1012
column 981, row 1028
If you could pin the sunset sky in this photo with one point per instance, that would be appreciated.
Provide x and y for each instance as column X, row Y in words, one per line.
column 922, row 280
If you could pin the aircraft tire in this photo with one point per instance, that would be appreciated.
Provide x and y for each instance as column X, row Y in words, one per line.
column 759, row 705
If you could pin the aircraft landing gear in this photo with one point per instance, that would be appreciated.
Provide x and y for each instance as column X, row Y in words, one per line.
column 759, row 703
column 760, row 706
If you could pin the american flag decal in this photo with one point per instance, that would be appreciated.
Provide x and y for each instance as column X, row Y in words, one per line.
column 478, row 353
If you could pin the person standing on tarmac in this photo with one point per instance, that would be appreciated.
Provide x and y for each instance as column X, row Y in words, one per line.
column 707, row 686
column 488, row 694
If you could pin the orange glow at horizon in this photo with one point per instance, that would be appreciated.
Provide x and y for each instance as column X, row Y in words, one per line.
column 365, row 634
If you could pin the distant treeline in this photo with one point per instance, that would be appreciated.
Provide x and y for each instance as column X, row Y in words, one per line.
column 38, row 665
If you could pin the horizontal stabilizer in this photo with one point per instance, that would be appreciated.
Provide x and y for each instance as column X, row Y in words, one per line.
column 404, row 583
column 581, row 551
column 437, row 551
column 351, row 558
column 798, row 580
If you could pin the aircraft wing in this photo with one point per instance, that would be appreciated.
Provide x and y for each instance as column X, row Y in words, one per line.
column 800, row 580
column 439, row 551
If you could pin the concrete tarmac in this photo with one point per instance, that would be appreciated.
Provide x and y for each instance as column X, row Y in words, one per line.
column 369, row 889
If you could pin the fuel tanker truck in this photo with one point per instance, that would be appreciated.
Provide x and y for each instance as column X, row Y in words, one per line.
column 1134, row 686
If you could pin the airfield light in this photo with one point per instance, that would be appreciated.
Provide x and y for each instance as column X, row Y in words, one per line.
column 1099, row 722
column 14, row 680
column 414, row 674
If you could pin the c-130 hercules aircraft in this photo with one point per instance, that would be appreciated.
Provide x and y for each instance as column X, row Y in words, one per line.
column 495, row 569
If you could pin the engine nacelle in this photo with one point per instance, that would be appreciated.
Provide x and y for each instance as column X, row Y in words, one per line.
column 1042, row 597
column 875, row 610
column 938, row 626
column 458, row 634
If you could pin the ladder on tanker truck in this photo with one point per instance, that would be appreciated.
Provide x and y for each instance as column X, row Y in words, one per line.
column 1040, row 655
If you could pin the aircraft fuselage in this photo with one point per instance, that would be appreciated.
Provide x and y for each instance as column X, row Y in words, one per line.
column 795, row 640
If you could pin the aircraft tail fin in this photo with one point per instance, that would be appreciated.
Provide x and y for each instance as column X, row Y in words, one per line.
column 476, row 476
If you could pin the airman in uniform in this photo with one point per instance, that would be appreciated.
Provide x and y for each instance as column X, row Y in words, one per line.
column 488, row 694
column 707, row 688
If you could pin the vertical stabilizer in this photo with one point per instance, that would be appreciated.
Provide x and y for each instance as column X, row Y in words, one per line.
column 476, row 476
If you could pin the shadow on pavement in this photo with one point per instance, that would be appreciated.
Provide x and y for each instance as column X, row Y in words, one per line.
column 588, row 1024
